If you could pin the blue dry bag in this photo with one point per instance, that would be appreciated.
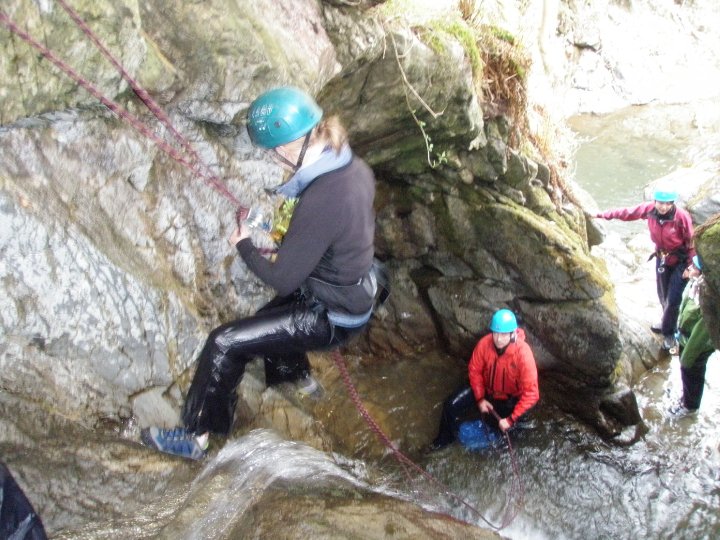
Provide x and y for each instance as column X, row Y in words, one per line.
column 477, row 435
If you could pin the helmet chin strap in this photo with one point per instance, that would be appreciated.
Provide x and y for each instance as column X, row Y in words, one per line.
column 305, row 145
column 301, row 157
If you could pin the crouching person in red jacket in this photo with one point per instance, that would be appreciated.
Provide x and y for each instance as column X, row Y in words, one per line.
column 503, row 379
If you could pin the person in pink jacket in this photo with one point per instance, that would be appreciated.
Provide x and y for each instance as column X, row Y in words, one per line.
column 503, row 381
column 671, row 230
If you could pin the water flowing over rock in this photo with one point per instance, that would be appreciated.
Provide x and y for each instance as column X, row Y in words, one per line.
column 114, row 257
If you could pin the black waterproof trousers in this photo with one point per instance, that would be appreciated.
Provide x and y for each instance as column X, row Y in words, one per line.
column 670, row 285
column 18, row 520
column 693, row 381
column 281, row 332
column 461, row 406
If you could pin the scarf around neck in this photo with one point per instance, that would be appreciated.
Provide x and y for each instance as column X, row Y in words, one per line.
column 326, row 162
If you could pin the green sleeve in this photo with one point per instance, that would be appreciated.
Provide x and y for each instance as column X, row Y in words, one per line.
column 698, row 343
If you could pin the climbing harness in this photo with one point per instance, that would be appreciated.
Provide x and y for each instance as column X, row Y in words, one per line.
column 189, row 158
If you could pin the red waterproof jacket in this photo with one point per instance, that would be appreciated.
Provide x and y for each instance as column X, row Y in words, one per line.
column 511, row 374
column 672, row 237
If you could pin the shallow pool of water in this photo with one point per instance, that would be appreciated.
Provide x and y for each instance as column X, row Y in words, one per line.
column 576, row 486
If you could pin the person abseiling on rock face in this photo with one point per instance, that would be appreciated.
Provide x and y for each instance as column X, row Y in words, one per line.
column 671, row 231
column 321, row 272
column 694, row 340
column 503, row 379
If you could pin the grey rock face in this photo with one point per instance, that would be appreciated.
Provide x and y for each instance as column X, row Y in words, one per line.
column 77, row 330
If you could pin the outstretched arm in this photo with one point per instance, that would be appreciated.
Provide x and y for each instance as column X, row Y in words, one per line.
column 631, row 213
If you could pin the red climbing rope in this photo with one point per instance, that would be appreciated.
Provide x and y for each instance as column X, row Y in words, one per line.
column 510, row 511
column 516, row 495
column 192, row 164
column 143, row 94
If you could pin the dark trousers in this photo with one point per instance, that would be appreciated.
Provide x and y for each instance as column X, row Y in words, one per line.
column 670, row 285
column 18, row 520
column 693, row 381
column 461, row 406
column 281, row 332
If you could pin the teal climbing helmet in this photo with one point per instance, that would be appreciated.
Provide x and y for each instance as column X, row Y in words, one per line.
column 281, row 115
column 696, row 262
column 503, row 321
column 665, row 195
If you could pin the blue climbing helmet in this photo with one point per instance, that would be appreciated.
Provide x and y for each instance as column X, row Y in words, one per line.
column 665, row 195
column 281, row 115
column 696, row 262
column 503, row 321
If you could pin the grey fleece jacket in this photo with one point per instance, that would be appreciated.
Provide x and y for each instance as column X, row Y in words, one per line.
column 330, row 236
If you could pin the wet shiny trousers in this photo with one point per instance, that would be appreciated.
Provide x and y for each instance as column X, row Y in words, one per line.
column 281, row 332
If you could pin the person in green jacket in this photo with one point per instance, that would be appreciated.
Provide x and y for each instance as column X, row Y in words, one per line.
column 694, row 340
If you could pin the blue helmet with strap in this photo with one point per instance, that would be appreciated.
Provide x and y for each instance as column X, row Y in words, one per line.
column 503, row 321
column 281, row 115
